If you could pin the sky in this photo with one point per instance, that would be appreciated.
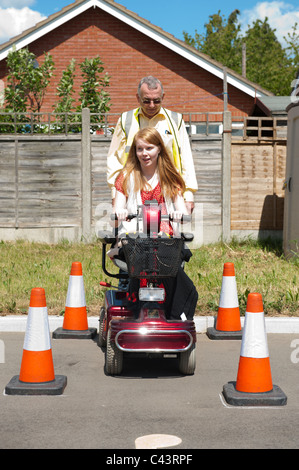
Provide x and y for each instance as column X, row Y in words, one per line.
column 173, row 16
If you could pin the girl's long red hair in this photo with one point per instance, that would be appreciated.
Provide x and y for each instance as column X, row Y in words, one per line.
column 171, row 181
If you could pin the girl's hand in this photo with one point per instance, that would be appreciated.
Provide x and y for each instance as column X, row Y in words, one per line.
column 121, row 214
column 176, row 216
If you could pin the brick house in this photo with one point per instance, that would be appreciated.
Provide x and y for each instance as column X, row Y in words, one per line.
column 130, row 48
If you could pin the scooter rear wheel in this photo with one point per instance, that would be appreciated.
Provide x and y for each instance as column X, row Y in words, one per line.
column 187, row 361
column 114, row 357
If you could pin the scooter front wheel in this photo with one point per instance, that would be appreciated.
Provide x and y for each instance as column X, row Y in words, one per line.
column 114, row 357
column 187, row 361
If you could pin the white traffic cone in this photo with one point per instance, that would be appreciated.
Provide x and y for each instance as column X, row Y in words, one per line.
column 75, row 324
column 228, row 323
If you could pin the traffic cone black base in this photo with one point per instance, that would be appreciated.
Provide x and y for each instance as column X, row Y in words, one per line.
column 212, row 333
column 274, row 397
column 61, row 333
column 55, row 387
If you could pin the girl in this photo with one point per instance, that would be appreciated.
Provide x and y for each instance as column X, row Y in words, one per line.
column 150, row 174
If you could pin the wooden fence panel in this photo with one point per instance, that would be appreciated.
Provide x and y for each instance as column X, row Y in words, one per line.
column 7, row 185
column 257, row 175
column 207, row 155
column 100, row 190
column 49, row 183
column 45, row 179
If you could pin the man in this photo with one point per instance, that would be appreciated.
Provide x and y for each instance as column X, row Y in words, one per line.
column 171, row 126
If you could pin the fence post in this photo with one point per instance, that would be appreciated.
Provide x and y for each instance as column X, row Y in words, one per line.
column 226, row 176
column 86, row 175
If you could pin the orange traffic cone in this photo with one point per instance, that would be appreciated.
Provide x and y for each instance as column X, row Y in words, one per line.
column 254, row 381
column 75, row 323
column 228, row 323
column 37, row 370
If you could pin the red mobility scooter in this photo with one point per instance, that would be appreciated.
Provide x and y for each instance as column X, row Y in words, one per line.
column 139, row 325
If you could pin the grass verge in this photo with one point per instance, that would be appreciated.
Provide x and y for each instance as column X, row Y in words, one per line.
column 260, row 267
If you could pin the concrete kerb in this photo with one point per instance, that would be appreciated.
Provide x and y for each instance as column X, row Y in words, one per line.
column 17, row 323
column 273, row 324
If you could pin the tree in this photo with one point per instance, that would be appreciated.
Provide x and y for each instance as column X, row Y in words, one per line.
column 93, row 94
column 292, row 51
column 222, row 40
column 292, row 48
column 267, row 62
column 65, row 89
column 27, row 80
column 65, row 104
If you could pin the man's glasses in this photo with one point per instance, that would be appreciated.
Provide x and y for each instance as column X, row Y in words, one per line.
column 155, row 101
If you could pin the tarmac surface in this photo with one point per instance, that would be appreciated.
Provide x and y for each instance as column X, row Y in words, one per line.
column 151, row 397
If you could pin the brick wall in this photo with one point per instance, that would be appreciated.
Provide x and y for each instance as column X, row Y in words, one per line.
column 128, row 56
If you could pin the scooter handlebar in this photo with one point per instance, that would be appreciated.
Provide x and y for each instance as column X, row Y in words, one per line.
column 185, row 218
column 129, row 216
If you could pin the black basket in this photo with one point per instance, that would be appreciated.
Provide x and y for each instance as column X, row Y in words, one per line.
column 152, row 258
